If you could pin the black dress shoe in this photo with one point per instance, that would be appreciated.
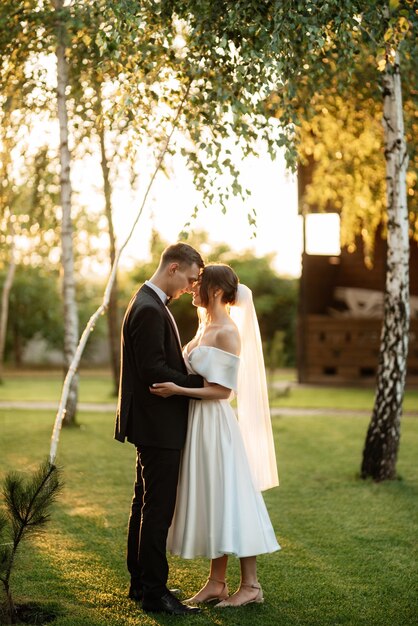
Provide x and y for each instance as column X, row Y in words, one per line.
column 167, row 603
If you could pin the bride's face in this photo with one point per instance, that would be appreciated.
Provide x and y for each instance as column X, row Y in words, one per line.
column 196, row 301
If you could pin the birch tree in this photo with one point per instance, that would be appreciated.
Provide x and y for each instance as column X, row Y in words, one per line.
column 382, row 441
column 10, row 120
column 71, row 331
column 354, row 166
column 5, row 293
column 387, row 32
column 7, row 219
column 112, row 61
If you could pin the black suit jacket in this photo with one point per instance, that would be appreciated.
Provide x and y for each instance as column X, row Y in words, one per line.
column 150, row 354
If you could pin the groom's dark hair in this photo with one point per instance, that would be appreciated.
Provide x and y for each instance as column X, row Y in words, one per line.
column 181, row 253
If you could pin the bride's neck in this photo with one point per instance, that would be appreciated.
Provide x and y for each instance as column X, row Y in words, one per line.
column 216, row 314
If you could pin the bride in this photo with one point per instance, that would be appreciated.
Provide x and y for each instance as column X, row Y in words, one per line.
column 226, row 463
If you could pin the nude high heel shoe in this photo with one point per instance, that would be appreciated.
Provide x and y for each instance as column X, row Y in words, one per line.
column 210, row 598
column 259, row 598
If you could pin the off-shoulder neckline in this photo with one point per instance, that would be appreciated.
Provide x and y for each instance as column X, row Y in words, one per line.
column 188, row 354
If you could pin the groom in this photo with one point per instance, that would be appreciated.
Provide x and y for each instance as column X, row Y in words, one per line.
column 151, row 353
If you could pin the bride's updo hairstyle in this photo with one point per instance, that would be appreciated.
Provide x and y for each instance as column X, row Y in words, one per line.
column 218, row 276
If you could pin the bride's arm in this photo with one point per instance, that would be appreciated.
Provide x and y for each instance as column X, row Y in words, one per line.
column 211, row 391
column 227, row 340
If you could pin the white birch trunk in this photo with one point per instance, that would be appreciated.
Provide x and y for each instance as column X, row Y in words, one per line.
column 382, row 441
column 5, row 295
column 113, row 324
column 8, row 135
column 67, row 258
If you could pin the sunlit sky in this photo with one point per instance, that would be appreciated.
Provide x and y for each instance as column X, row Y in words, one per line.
column 172, row 200
column 274, row 197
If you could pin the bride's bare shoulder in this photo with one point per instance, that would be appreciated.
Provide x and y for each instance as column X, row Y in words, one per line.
column 227, row 339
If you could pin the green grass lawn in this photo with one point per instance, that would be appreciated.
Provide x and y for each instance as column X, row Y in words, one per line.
column 349, row 552
column 46, row 386
column 347, row 398
column 96, row 386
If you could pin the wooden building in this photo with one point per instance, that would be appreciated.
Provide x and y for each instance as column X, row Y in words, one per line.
column 340, row 316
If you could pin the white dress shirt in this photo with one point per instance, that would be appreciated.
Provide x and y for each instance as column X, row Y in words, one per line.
column 163, row 296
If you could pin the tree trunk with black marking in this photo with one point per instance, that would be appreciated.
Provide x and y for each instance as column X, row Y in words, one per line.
column 382, row 440
column 67, row 258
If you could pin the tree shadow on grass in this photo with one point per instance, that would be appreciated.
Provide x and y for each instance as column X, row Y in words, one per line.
column 34, row 613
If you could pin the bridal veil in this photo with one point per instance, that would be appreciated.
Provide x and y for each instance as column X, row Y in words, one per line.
column 252, row 397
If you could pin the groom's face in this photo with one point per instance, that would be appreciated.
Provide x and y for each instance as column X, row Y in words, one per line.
column 182, row 279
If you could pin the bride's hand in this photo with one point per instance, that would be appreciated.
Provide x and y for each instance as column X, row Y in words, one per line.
column 163, row 390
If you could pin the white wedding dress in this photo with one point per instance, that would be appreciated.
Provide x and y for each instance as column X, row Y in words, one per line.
column 218, row 509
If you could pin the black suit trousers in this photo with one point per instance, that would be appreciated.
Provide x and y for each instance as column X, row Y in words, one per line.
column 152, row 510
